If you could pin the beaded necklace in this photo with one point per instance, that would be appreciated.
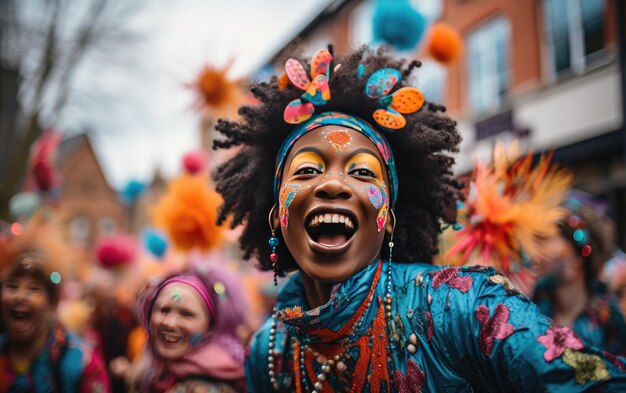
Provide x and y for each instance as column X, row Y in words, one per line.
column 332, row 358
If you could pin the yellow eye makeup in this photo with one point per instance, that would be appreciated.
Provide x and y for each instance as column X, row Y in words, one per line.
column 306, row 158
column 365, row 161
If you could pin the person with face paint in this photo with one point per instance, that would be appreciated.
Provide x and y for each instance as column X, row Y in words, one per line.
column 192, row 320
column 569, row 290
column 37, row 353
column 343, row 176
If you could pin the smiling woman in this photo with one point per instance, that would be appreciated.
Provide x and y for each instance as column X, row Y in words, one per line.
column 350, row 171
column 193, row 320
column 37, row 353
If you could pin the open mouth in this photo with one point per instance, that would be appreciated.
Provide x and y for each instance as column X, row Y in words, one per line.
column 331, row 229
column 169, row 338
column 20, row 318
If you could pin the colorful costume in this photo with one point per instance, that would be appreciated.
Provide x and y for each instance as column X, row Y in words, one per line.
column 65, row 365
column 456, row 329
column 601, row 324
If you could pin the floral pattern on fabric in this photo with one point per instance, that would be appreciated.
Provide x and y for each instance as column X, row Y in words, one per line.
column 492, row 328
column 410, row 382
column 587, row 367
column 450, row 276
column 557, row 339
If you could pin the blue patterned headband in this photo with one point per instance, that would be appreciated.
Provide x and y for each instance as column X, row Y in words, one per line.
column 338, row 119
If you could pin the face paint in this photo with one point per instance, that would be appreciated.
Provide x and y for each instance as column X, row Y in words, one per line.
column 196, row 339
column 338, row 139
column 286, row 197
column 37, row 299
column 375, row 196
column 378, row 197
column 177, row 296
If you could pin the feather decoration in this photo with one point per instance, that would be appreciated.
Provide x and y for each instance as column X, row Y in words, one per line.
column 511, row 205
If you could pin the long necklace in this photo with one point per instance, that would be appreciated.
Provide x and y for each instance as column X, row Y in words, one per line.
column 334, row 359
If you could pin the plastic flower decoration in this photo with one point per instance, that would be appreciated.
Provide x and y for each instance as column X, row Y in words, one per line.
column 316, row 91
column 403, row 101
column 511, row 205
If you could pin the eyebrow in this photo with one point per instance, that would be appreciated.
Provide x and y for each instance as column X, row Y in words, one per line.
column 367, row 151
column 308, row 149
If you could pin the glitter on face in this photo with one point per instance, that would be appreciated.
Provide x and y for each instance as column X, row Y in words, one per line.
column 177, row 296
column 375, row 196
column 338, row 139
column 286, row 198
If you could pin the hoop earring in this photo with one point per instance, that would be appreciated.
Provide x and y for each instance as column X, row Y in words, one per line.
column 273, row 242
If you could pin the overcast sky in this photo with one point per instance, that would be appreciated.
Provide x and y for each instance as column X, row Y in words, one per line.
column 143, row 119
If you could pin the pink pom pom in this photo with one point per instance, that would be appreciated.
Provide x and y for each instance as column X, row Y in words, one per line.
column 114, row 251
column 194, row 161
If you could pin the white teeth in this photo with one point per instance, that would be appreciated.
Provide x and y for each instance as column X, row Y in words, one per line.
column 334, row 218
column 169, row 339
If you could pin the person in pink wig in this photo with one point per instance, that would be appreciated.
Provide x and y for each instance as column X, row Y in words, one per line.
column 193, row 319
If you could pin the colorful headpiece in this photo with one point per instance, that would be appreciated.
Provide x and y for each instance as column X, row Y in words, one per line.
column 578, row 226
column 379, row 85
column 510, row 205
column 339, row 119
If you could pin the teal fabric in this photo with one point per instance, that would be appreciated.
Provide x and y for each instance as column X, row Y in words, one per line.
column 441, row 307
column 601, row 324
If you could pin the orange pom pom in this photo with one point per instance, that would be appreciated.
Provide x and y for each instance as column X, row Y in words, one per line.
column 445, row 43
column 188, row 212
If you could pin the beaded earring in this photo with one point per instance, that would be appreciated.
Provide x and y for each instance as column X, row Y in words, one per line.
column 388, row 297
column 273, row 242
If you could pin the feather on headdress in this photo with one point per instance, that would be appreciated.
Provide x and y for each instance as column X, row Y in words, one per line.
column 510, row 206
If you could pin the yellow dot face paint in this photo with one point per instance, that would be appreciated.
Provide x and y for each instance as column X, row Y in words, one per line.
column 367, row 165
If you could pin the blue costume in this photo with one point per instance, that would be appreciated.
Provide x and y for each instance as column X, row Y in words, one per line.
column 601, row 324
column 445, row 329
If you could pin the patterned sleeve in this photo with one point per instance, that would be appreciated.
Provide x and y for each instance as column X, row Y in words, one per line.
column 257, row 360
column 95, row 378
column 501, row 342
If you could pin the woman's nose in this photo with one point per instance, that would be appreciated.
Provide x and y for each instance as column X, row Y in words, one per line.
column 169, row 320
column 333, row 187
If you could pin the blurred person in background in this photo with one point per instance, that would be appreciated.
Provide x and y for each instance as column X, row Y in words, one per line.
column 193, row 320
column 568, row 288
column 37, row 353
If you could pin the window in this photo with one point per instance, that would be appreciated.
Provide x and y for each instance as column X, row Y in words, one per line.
column 488, row 65
column 574, row 34
column 79, row 229
column 107, row 226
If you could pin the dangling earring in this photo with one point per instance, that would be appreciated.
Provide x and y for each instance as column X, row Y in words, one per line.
column 273, row 242
column 391, row 237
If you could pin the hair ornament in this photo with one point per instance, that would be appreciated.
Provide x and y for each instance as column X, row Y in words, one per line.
column 580, row 234
column 316, row 91
column 360, row 71
column 403, row 101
